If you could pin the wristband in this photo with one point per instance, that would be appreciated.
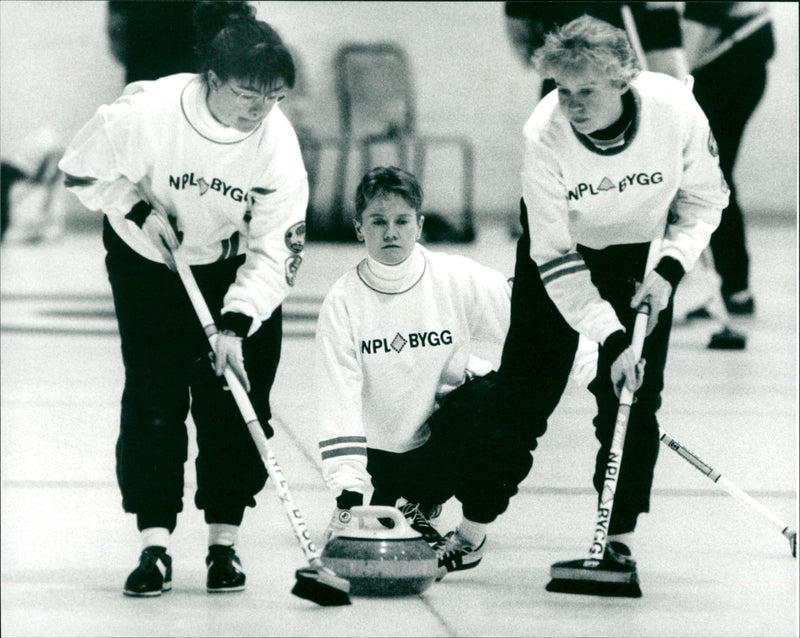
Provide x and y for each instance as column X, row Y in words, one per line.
column 615, row 343
column 236, row 322
column 348, row 499
column 671, row 270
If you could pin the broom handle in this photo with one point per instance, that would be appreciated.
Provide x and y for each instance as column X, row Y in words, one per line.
column 606, row 496
column 249, row 415
column 723, row 483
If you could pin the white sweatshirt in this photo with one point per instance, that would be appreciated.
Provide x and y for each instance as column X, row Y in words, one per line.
column 231, row 192
column 391, row 342
column 576, row 194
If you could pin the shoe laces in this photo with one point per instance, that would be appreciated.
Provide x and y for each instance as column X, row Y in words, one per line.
column 453, row 543
column 420, row 523
column 412, row 511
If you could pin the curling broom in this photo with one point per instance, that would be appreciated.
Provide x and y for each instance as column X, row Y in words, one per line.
column 595, row 575
column 316, row 583
column 732, row 489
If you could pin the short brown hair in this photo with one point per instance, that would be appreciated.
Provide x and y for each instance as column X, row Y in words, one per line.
column 386, row 180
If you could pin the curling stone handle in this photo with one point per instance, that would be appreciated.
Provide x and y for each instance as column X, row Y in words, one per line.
column 373, row 512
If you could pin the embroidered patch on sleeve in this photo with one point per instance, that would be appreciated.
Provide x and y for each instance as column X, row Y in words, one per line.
column 292, row 265
column 296, row 237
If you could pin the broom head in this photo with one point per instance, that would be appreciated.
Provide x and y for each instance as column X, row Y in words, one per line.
column 321, row 586
column 594, row 577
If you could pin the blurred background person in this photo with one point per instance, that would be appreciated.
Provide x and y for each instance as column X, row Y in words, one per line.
column 152, row 39
column 653, row 25
column 728, row 46
column 32, row 204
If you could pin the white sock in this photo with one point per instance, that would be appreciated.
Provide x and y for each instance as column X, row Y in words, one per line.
column 222, row 534
column 472, row 532
column 626, row 539
column 155, row 536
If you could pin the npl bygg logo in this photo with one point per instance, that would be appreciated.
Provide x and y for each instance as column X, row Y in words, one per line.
column 607, row 184
column 397, row 343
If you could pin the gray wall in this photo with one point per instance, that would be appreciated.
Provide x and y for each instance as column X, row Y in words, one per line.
column 55, row 69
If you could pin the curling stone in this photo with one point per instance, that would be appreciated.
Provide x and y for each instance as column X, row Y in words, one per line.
column 379, row 561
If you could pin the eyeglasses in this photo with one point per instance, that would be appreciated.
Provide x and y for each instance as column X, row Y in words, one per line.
column 249, row 99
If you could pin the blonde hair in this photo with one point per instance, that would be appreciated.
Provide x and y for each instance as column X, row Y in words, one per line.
column 588, row 42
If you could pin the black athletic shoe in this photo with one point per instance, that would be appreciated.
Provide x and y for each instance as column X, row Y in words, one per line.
column 740, row 303
column 619, row 554
column 153, row 575
column 698, row 313
column 420, row 521
column 456, row 553
column 225, row 572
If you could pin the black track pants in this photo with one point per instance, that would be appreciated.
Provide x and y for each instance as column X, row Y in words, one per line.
column 168, row 373
column 538, row 352
column 469, row 455
column 538, row 356
column 615, row 272
column 713, row 87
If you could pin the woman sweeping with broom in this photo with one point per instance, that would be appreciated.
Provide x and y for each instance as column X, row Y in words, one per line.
column 615, row 158
column 209, row 162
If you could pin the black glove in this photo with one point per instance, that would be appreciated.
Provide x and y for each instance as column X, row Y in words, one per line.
column 341, row 518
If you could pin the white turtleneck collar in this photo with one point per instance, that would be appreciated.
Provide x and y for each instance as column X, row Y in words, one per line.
column 195, row 109
column 393, row 280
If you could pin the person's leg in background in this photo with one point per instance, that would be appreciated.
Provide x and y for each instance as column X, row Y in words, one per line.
column 714, row 84
column 8, row 175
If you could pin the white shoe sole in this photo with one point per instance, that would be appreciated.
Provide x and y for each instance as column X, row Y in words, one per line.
column 148, row 594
